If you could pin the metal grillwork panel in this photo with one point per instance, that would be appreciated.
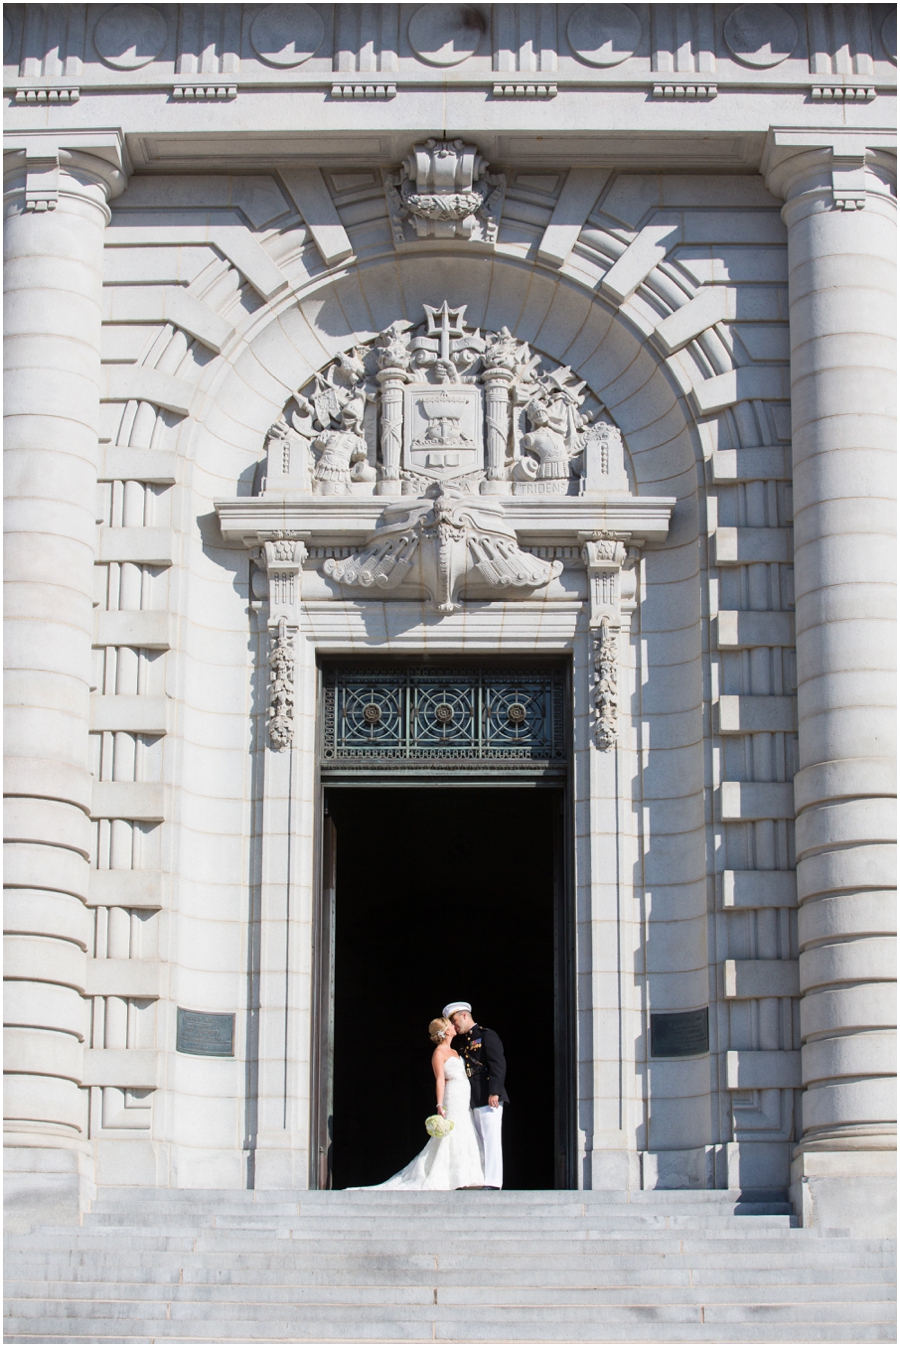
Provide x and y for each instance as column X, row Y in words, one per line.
column 417, row 720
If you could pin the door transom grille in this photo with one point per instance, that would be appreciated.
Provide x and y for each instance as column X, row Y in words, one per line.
column 419, row 719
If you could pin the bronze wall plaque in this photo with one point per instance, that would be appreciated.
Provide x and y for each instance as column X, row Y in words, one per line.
column 205, row 1035
column 681, row 1034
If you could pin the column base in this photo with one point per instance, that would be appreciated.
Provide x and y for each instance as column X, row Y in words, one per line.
column 613, row 1170
column 279, row 1165
column 757, row 1165
column 45, row 1184
column 674, row 1170
column 847, row 1190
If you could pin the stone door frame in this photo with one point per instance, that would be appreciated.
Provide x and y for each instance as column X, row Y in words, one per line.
column 599, row 814
column 324, row 909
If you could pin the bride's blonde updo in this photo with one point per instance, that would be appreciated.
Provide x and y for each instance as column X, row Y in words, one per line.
column 439, row 1029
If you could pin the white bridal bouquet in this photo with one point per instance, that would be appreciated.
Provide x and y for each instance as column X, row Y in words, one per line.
column 436, row 1126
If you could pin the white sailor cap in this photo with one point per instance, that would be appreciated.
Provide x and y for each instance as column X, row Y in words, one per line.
column 455, row 1005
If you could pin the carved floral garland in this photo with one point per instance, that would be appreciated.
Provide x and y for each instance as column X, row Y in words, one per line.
column 606, row 693
column 281, row 688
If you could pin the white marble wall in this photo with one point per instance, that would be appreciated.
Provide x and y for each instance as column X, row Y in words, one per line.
column 656, row 792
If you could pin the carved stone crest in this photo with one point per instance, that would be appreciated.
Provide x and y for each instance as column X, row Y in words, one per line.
column 444, row 190
column 443, row 403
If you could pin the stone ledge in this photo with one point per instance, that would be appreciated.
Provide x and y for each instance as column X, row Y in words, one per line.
column 743, row 801
column 138, row 715
column 156, row 466
column 750, row 546
column 759, row 888
column 762, row 1070
column 741, row 630
column 136, row 978
column 126, row 888
column 757, row 715
column 752, row 979
column 134, row 1068
column 141, row 629
column 141, row 800
column 147, row 546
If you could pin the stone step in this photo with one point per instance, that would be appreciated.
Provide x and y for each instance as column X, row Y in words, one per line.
column 119, row 1214
column 214, row 1311
column 518, row 1196
column 475, row 1221
column 60, row 1330
column 586, row 1261
column 223, row 1266
column 774, row 1246
column 21, row 1292
column 118, row 1271
column 247, row 1323
column 439, row 1205
column 632, row 1270
column 769, row 1243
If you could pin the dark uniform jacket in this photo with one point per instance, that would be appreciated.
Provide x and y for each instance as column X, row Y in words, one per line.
column 482, row 1052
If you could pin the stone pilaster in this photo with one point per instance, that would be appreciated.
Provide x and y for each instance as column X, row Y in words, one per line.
column 840, row 214
column 56, row 211
column 281, row 1143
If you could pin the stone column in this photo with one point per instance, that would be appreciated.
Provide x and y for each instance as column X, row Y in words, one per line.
column 391, row 379
column 840, row 216
column 496, row 382
column 56, row 212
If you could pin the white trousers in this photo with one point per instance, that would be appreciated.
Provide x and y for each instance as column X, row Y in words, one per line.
column 488, row 1122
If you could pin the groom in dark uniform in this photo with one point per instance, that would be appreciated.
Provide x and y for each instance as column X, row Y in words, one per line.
column 482, row 1052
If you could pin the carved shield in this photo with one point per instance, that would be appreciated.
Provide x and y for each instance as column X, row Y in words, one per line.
column 443, row 430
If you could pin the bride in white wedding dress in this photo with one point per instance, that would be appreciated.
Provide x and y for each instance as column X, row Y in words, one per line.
column 453, row 1161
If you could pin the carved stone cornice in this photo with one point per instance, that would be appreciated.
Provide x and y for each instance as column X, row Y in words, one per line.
column 562, row 521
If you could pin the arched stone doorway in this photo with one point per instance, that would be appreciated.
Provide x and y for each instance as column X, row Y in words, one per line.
column 616, row 798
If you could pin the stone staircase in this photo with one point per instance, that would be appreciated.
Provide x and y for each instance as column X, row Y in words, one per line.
column 184, row 1266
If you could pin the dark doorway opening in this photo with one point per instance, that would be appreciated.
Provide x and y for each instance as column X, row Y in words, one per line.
column 445, row 894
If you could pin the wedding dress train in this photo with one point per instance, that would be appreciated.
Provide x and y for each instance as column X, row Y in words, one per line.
column 453, row 1161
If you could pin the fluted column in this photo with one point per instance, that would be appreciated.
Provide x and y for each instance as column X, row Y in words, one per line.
column 840, row 214
column 391, row 378
column 496, row 380
column 56, row 212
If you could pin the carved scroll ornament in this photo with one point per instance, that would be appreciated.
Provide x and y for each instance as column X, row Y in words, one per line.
column 445, row 190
